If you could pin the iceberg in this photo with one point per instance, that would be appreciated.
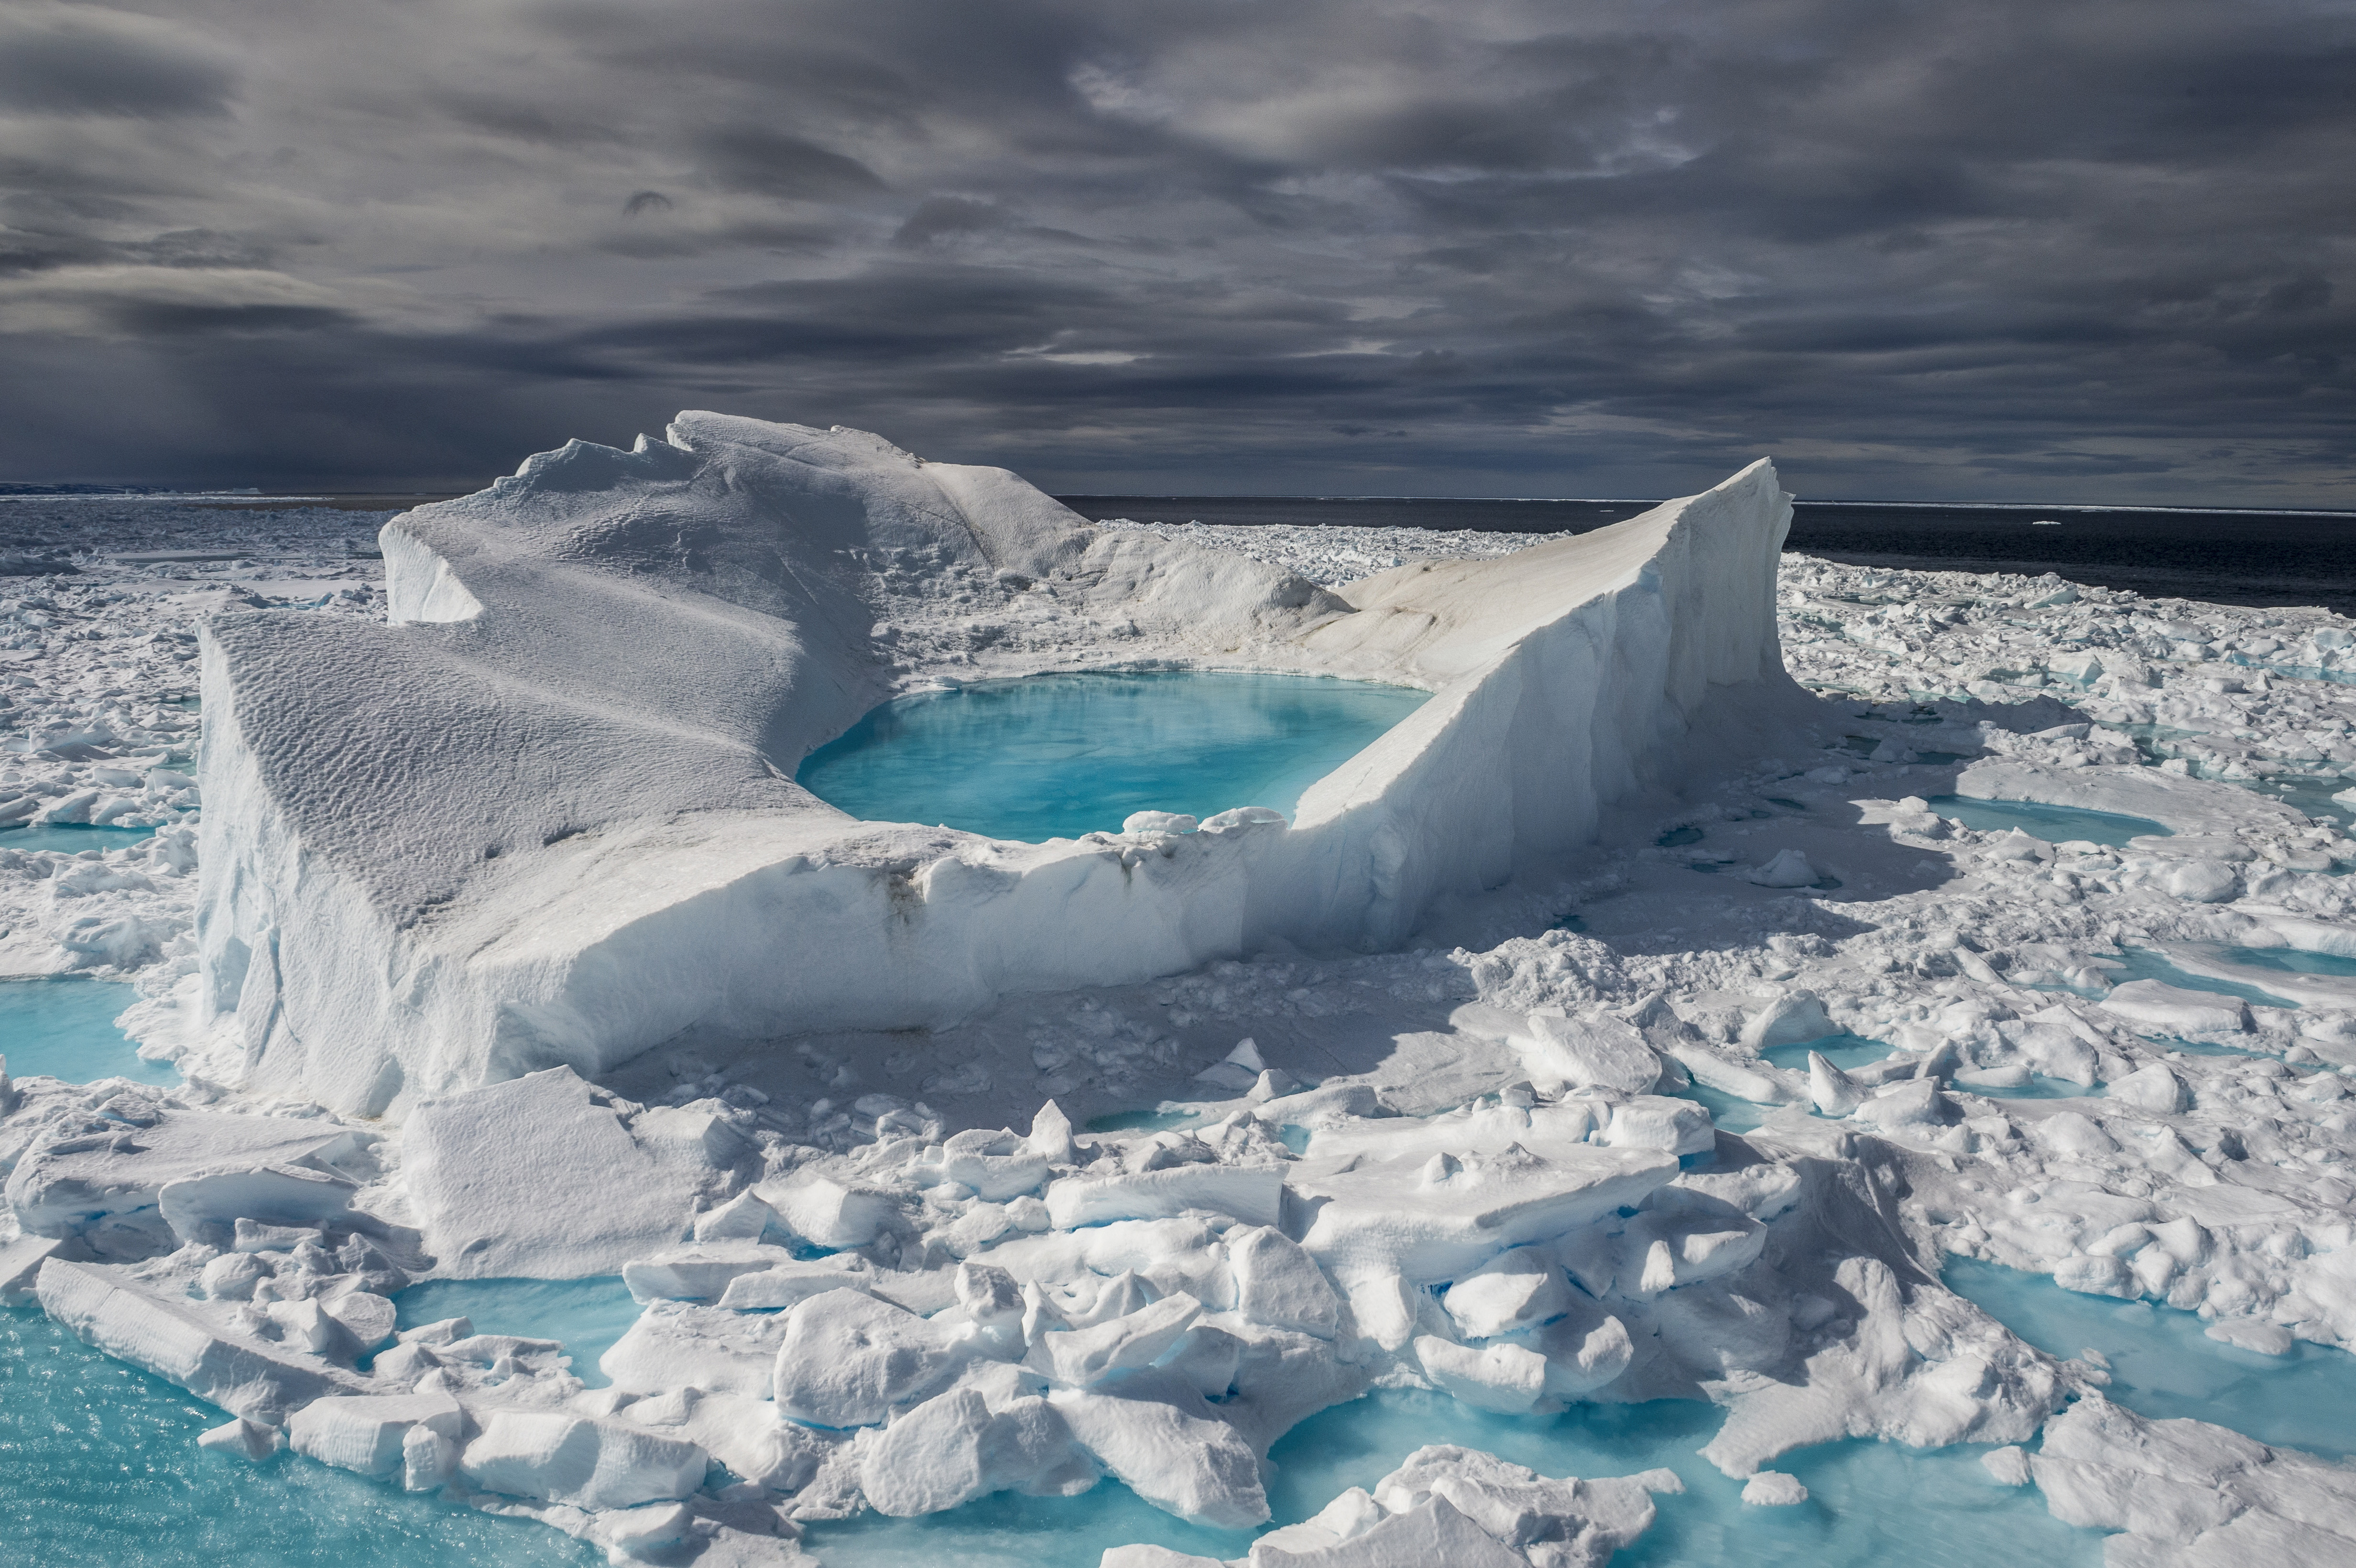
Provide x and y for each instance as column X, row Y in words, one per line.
column 544, row 815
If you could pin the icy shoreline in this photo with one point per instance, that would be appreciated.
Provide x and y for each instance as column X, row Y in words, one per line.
column 1297, row 1241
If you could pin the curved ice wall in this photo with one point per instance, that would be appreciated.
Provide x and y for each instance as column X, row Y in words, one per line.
column 546, row 815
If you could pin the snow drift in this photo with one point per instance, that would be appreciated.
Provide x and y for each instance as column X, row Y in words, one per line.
column 546, row 815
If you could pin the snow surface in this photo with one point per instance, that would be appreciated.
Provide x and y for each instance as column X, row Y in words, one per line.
column 1131, row 1223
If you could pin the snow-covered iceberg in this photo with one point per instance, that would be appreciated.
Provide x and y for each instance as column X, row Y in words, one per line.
column 546, row 815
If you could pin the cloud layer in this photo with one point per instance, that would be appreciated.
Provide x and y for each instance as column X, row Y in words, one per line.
column 2089, row 249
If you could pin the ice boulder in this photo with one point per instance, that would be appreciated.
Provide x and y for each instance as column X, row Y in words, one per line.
column 1597, row 1053
column 365, row 1432
column 597, row 678
column 1519, row 1289
column 1504, row 1377
column 848, row 1357
column 1164, row 1443
column 953, row 1448
column 589, row 1462
column 1279, row 1285
column 1661, row 1122
column 2175, row 1010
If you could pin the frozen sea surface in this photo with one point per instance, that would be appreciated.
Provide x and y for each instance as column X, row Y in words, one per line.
column 1055, row 756
column 98, row 1463
column 2163, row 1363
column 65, row 1026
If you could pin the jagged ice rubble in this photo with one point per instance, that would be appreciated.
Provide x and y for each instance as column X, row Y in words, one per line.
column 492, row 938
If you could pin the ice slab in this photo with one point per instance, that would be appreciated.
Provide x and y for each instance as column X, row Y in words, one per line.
column 538, row 1177
column 573, row 832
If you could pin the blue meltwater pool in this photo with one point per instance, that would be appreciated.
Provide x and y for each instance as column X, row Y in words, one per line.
column 1055, row 756
column 65, row 1026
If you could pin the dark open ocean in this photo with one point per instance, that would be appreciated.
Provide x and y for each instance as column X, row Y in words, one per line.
column 2231, row 557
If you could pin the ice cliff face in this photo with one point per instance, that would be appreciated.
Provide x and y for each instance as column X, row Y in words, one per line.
column 545, row 815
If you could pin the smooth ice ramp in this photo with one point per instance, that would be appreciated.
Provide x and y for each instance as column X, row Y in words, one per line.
column 547, row 814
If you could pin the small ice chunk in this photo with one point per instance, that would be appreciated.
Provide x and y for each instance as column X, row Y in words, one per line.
column 366, row 1433
column 639, row 1532
column 2177, row 1010
column 2252, row 1334
column 698, row 1273
column 2152, row 1087
column 1051, row 1134
column 1661, row 1122
column 367, row 1317
column 587, row 1461
column 1774, row 1488
column 1278, row 1285
column 1159, row 822
column 847, row 1359
column 743, row 1218
column 233, row 1276
column 1253, row 1194
column 1507, row 1378
column 2008, row 1465
column 245, row 1439
column 831, row 1213
column 1517, row 1290
column 1835, row 1093
column 1788, row 868
column 1594, row 1052
column 1080, row 1358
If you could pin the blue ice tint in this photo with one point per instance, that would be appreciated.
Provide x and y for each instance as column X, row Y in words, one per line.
column 65, row 1026
column 98, row 1463
column 2054, row 824
column 67, row 838
column 587, row 1315
column 2163, row 1363
column 1056, row 756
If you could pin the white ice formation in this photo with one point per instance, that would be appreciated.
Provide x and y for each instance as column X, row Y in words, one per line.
column 874, row 1273
column 546, row 814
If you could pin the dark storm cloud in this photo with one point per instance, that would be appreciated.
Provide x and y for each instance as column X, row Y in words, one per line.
column 63, row 63
column 2060, row 249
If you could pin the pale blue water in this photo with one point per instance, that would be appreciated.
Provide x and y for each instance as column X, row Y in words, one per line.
column 2054, row 824
column 71, row 840
column 99, row 1465
column 2293, row 961
column 2163, row 1364
column 65, row 1028
column 587, row 1315
column 1872, row 1504
column 1055, row 756
column 2137, row 964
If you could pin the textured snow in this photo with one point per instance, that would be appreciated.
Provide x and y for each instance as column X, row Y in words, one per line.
column 1574, row 1131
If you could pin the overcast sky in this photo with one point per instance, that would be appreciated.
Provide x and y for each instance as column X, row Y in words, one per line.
column 2089, row 249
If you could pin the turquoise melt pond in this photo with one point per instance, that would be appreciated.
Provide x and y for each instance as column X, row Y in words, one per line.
column 1055, row 756
column 64, row 1027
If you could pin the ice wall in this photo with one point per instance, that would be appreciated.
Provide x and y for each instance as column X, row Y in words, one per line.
column 546, row 815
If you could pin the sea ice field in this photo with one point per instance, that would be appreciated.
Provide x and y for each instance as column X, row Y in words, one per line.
column 758, row 1000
